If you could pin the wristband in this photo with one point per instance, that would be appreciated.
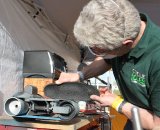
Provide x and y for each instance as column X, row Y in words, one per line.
column 121, row 106
column 117, row 102
column 81, row 76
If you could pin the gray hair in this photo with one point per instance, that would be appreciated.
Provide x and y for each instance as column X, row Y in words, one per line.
column 107, row 23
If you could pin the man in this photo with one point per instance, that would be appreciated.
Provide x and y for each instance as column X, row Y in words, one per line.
column 129, row 44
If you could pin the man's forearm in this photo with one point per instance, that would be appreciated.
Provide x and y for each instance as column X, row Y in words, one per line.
column 147, row 118
column 96, row 68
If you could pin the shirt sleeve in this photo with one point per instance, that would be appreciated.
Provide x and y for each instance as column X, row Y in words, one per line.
column 155, row 87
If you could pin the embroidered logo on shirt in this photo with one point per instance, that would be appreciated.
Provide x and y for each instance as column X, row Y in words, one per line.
column 138, row 78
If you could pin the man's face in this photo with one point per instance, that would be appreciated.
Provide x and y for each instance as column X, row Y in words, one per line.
column 102, row 52
column 98, row 51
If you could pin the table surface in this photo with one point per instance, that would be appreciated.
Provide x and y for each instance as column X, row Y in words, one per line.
column 74, row 124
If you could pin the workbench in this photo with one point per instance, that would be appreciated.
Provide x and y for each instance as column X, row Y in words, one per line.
column 79, row 123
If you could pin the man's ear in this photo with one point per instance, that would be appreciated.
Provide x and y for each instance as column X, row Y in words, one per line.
column 128, row 42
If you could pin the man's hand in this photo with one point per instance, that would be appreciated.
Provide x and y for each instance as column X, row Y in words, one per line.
column 106, row 98
column 68, row 77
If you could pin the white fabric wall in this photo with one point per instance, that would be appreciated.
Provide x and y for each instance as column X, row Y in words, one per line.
column 19, row 32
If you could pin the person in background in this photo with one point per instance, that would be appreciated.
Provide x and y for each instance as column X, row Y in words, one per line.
column 129, row 43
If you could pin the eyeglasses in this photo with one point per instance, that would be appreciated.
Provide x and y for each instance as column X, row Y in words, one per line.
column 97, row 51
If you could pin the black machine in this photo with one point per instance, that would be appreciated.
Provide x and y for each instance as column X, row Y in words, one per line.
column 60, row 105
column 57, row 106
column 30, row 105
column 61, row 102
column 43, row 64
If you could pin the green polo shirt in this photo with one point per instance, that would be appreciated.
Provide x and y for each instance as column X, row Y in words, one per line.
column 138, row 72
